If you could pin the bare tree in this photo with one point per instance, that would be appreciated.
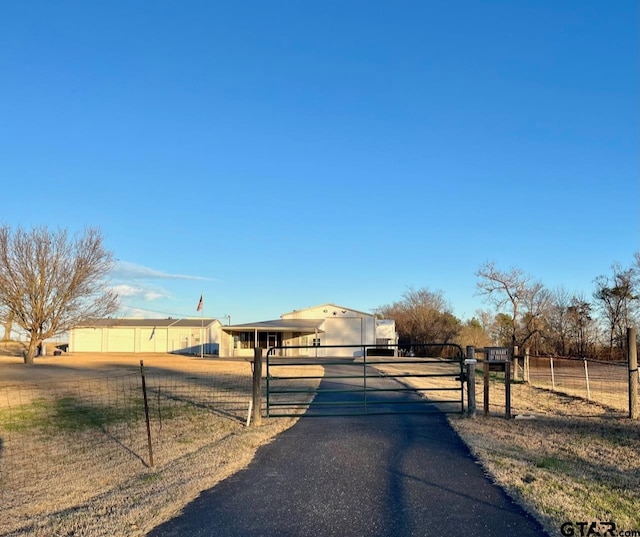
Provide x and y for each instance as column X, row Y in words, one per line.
column 525, row 301
column 582, row 325
column 537, row 303
column 502, row 330
column 473, row 333
column 559, row 322
column 617, row 299
column 504, row 290
column 571, row 329
column 488, row 322
column 7, row 322
column 422, row 316
column 51, row 282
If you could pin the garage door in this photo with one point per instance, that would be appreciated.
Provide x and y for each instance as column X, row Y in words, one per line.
column 343, row 331
column 153, row 340
column 87, row 340
column 121, row 340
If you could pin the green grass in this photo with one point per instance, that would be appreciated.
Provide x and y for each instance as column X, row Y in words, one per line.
column 550, row 463
column 71, row 414
column 67, row 414
column 152, row 477
column 24, row 417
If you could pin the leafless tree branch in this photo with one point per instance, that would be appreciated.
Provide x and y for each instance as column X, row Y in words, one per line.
column 51, row 282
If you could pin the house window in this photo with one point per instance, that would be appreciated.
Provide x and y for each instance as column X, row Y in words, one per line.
column 247, row 340
column 316, row 342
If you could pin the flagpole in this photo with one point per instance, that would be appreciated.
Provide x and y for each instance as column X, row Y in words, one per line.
column 202, row 328
column 200, row 308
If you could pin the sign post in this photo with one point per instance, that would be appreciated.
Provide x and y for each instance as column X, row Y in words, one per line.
column 632, row 360
column 498, row 359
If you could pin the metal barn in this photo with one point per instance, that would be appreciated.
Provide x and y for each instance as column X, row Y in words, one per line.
column 183, row 336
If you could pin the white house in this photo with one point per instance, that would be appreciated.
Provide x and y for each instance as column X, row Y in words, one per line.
column 327, row 324
column 186, row 336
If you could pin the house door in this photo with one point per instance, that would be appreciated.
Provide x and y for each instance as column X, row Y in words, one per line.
column 272, row 340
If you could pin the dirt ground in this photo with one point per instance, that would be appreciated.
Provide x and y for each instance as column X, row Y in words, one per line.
column 89, row 365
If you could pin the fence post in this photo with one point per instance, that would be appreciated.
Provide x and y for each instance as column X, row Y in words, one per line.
column 364, row 380
column 553, row 376
column 507, row 390
column 257, row 387
column 514, row 359
column 586, row 377
column 527, row 374
column 486, row 386
column 146, row 413
column 471, row 381
column 632, row 351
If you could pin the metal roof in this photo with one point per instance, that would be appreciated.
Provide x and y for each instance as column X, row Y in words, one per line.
column 278, row 325
column 328, row 305
column 145, row 323
column 193, row 322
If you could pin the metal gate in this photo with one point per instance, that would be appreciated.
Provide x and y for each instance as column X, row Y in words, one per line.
column 373, row 380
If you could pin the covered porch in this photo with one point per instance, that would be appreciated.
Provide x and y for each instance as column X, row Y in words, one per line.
column 241, row 339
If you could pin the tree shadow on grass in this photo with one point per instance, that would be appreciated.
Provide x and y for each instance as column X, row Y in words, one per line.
column 12, row 348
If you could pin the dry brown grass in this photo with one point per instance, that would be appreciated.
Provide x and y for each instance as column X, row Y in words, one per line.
column 109, row 491
column 572, row 460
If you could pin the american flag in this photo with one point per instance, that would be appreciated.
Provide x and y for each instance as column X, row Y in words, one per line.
column 200, row 304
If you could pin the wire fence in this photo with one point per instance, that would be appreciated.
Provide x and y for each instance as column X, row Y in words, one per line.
column 606, row 383
column 82, row 432
column 603, row 383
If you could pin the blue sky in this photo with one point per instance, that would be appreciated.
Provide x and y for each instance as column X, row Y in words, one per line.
column 275, row 155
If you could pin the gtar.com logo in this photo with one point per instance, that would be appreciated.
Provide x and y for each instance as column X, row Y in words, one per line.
column 595, row 529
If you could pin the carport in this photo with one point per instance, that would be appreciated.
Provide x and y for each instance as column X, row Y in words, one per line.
column 241, row 339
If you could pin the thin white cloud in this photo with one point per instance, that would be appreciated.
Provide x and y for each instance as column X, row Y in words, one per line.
column 138, row 313
column 146, row 292
column 139, row 286
column 124, row 290
column 125, row 270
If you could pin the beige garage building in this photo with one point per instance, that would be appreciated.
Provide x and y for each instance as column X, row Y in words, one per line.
column 184, row 336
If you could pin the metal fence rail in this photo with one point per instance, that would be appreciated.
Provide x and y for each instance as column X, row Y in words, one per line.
column 372, row 381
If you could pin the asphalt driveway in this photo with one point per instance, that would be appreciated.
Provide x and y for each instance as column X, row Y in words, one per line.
column 390, row 475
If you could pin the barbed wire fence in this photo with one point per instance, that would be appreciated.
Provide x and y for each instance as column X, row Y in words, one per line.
column 76, row 432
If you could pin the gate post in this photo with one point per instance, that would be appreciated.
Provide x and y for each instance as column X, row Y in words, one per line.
column 485, row 397
column 257, row 387
column 471, row 362
column 632, row 351
column 507, row 390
